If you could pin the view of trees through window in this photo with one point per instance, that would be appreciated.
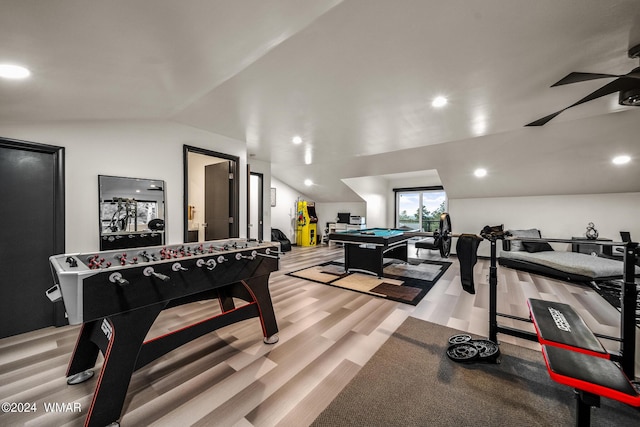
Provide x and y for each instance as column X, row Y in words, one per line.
column 420, row 209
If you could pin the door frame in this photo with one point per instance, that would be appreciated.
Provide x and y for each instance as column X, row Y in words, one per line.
column 58, row 185
column 234, row 188
column 260, row 204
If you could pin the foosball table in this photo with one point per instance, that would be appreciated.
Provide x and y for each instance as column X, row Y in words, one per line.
column 117, row 295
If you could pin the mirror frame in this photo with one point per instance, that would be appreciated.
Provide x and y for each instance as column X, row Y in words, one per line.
column 162, row 214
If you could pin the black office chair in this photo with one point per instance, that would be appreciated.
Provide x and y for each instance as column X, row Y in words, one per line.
column 279, row 236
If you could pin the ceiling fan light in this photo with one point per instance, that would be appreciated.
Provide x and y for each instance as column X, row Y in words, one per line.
column 630, row 97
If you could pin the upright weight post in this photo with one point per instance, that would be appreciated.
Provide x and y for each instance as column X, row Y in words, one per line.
column 493, row 294
column 628, row 302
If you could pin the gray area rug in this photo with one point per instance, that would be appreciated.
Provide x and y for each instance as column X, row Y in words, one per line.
column 418, row 271
column 403, row 282
column 411, row 382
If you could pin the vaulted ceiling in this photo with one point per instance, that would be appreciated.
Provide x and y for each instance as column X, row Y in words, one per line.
column 354, row 79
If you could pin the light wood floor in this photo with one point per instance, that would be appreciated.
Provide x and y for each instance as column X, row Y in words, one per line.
column 230, row 378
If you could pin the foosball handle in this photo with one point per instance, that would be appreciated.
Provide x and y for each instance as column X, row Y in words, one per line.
column 178, row 267
column 150, row 272
column 118, row 279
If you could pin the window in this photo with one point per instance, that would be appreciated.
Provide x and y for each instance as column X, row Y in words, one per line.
column 420, row 208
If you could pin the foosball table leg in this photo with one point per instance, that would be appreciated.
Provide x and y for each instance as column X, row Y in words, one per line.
column 258, row 287
column 84, row 356
column 120, row 338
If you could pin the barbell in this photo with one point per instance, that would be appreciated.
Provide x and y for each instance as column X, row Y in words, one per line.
column 441, row 237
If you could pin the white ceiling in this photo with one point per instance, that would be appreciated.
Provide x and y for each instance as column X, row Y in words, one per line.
column 353, row 78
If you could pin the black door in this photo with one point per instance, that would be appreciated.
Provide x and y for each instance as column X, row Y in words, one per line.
column 31, row 230
column 217, row 186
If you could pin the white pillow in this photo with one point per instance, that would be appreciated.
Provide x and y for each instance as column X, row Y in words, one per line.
column 516, row 245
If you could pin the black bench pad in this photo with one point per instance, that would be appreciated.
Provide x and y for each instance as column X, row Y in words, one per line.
column 591, row 374
column 558, row 325
column 428, row 243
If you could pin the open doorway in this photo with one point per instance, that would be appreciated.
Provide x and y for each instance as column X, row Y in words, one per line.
column 255, row 207
column 211, row 195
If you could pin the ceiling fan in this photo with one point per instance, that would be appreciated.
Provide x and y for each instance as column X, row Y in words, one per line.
column 627, row 84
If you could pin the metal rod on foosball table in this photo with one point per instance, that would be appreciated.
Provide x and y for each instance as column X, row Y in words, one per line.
column 628, row 301
column 493, row 294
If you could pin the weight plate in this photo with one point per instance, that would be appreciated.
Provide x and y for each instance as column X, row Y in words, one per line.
column 459, row 338
column 463, row 352
column 487, row 349
column 445, row 235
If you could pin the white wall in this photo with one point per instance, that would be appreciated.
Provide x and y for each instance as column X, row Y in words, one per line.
column 136, row 149
column 374, row 191
column 153, row 149
column 556, row 216
column 264, row 168
column 379, row 198
column 283, row 215
column 328, row 212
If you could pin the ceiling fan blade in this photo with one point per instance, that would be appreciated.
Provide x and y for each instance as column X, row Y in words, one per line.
column 581, row 77
column 545, row 119
column 615, row 86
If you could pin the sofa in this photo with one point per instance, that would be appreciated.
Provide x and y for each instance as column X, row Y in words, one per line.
column 541, row 258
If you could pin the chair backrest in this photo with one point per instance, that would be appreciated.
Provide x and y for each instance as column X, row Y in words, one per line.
column 625, row 236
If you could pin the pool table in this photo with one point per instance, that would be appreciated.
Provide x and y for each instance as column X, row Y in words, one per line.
column 365, row 250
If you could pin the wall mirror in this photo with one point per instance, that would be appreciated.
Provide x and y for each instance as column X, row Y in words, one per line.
column 211, row 195
column 131, row 212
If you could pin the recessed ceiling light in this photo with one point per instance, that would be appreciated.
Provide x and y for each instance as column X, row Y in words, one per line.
column 9, row 71
column 308, row 156
column 296, row 140
column 480, row 172
column 308, row 182
column 439, row 101
column 621, row 160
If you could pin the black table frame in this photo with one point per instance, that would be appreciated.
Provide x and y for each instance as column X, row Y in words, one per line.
column 367, row 252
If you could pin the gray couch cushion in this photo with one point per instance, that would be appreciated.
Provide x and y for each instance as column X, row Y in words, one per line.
column 572, row 262
column 516, row 245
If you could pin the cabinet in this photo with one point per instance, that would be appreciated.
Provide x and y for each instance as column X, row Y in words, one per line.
column 333, row 227
column 591, row 248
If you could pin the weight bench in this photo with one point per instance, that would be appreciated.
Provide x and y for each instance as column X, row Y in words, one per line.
column 575, row 357
column 427, row 243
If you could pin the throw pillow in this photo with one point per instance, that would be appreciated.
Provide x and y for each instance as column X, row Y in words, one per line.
column 536, row 246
